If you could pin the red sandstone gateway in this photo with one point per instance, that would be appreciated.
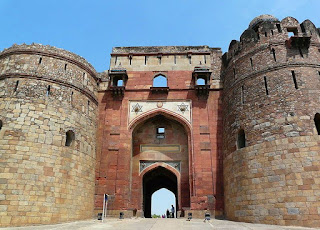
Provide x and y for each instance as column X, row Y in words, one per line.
column 159, row 134
column 234, row 135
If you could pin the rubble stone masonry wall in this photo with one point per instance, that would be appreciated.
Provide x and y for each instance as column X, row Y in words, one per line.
column 271, row 91
column 44, row 93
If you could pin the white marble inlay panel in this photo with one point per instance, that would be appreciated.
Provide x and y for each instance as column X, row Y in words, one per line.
column 181, row 108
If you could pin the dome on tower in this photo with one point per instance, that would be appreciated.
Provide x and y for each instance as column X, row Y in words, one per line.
column 262, row 18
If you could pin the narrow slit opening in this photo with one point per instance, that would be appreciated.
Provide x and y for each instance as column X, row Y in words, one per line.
column 48, row 90
column 16, row 86
column 242, row 94
column 274, row 55
column 266, row 85
column 279, row 28
column 294, row 79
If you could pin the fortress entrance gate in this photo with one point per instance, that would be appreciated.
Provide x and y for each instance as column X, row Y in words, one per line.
column 160, row 159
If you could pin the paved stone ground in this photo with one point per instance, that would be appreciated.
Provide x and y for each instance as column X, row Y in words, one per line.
column 157, row 224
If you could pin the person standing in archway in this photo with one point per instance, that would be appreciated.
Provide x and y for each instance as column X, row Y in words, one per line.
column 172, row 211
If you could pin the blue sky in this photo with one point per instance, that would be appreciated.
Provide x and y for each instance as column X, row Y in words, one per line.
column 91, row 28
column 161, row 201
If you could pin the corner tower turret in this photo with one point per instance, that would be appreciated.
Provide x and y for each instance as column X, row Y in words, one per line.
column 47, row 138
column 271, row 81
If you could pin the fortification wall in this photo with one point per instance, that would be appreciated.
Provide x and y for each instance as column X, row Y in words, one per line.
column 45, row 176
column 271, row 92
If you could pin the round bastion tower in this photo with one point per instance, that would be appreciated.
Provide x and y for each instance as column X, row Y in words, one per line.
column 272, row 123
column 47, row 135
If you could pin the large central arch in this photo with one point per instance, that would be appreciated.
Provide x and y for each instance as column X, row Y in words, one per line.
column 155, row 179
column 157, row 167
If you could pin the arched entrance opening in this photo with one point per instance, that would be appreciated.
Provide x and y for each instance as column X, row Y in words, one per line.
column 161, row 201
column 160, row 159
column 154, row 180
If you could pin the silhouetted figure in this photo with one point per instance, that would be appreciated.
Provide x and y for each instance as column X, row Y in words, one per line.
column 168, row 213
column 172, row 211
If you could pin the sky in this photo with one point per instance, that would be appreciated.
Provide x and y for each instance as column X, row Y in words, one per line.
column 90, row 28
column 162, row 200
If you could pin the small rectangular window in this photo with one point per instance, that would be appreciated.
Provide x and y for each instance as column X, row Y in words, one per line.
column 205, row 59
column 175, row 59
column 294, row 79
column 40, row 60
column 145, row 60
column 115, row 60
column 65, row 67
column 234, row 73
column 160, row 133
column 251, row 62
column 272, row 32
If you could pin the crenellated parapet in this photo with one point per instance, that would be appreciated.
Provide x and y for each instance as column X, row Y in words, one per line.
column 269, row 43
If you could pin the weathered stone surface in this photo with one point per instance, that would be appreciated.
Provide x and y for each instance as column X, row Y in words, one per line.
column 42, row 180
column 261, row 97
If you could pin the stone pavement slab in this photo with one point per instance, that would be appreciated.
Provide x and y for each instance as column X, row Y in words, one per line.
column 156, row 224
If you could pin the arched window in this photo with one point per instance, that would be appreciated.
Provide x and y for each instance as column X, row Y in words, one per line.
column 160, row 81
column 317, row 122
column 70, row 137
column 201, row 81
column 241, row 139
column 0, row 124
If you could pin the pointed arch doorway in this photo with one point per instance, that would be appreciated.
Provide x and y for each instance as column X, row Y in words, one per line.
column 154, row 180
